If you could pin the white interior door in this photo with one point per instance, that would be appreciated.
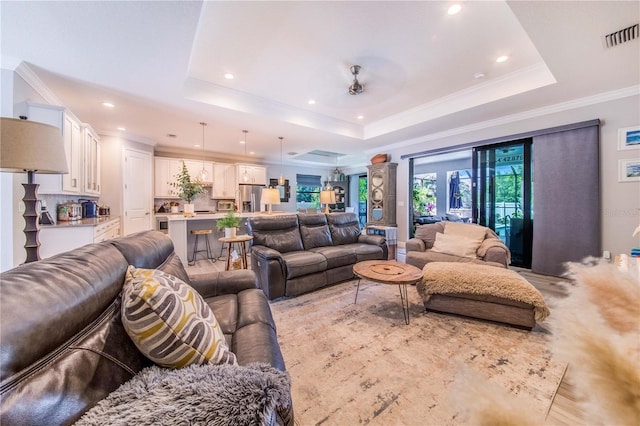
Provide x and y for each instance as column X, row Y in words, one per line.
column 138, row 191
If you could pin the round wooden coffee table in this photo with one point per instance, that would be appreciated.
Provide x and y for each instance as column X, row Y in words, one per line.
column 389, row 272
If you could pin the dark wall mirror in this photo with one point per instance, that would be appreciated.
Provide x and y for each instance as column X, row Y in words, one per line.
column 285, row 190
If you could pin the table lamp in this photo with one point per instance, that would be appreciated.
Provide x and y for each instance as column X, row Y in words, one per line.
column 28, row 146
column 270, row 196
column 327, row 196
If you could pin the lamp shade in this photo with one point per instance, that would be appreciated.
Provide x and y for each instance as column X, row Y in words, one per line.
column 327, row 196
column 270, row 196
column 31, row 146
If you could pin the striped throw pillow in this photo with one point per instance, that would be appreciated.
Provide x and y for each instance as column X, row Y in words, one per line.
column 169, row 321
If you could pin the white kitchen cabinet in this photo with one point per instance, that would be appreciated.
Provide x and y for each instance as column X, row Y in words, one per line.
column 257, row 174
column 72, row 182
column 107, row 231
column 165, row 172
column 91, row 161
column 195, row 167
column 225, row 181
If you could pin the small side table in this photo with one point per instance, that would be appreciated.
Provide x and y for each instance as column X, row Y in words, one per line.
column 240, row 240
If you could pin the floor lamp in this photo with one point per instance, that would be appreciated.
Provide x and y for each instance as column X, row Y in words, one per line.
column 27, row 146
column 270, row 196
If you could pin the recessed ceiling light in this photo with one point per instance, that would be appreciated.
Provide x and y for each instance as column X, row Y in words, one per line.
column 197, row 145
column 251, row 152
column 311, row 102
column 455, row 8
column 360, row 117
column 502, row 58
column 478, row 75
column 228, row 76
column 242, row 142
column 108, row 104
column 122, row 129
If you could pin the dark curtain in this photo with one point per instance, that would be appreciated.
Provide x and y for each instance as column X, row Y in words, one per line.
column 566, row 212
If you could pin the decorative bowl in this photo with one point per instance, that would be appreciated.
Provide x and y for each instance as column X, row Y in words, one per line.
column 379, row 158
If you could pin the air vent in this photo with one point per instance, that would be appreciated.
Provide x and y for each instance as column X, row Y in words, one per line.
column 622, row 36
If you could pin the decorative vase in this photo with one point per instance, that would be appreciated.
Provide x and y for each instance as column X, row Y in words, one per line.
column 189, row 208
column 229, row 232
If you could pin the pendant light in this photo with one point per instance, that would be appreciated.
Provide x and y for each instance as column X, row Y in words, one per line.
column 203, row 173
column 245, row 175
column 281, row 178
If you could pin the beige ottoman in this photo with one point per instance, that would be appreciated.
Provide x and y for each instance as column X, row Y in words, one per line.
column 480, row 291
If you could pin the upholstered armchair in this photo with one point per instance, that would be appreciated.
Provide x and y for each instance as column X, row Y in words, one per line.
column 456, row 242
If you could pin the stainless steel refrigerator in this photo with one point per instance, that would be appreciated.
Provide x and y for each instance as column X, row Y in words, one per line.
column 250, row 198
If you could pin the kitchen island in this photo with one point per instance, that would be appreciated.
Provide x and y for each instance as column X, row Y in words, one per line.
column 180, row 227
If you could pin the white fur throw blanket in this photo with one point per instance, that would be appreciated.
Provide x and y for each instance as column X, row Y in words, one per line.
column 468, row 278
column 195, row 395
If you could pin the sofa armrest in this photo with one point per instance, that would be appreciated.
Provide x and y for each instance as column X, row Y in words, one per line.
column 269, row 266
column 224, row 282
column 415, row 244
column 494, row 250
column 375, row 240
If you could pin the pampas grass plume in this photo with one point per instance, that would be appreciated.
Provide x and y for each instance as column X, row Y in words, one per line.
column 597, row 331
column 484, row 404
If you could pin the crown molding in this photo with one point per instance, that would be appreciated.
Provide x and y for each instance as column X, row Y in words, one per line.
column 28, row 75
column 526, row 115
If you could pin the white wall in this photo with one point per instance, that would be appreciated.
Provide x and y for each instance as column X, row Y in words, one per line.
column 620, row 200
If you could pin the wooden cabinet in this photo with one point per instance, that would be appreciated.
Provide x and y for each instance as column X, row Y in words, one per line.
column 107, row 231
column 381, row 197
column 69, row 125
column 225, row 181
column 165, row 171
column 195, row 168
column 91, row 161
column 341, row 188
column 257, row 175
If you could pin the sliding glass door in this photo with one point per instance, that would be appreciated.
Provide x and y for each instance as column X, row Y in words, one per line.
column 502, row 196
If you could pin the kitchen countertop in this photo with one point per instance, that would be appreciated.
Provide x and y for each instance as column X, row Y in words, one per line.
column 95, row 221
column 173, row 217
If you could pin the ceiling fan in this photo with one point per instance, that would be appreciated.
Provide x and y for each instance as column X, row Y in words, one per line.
column 356, row 88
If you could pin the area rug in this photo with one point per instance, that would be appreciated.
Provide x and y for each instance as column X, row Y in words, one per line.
column 361, row 364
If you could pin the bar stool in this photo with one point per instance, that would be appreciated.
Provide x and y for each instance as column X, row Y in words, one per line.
column 207, row 249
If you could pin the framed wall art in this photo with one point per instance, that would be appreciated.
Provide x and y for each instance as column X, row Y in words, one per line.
column 629, row 138
column 629, row 170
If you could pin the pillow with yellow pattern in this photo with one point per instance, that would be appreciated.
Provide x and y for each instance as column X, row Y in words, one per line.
column 169, row 321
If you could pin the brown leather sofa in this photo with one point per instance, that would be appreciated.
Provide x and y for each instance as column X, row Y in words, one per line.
column 62, row 344
column 299, row 253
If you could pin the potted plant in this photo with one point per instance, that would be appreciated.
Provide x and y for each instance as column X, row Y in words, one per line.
column 188, row 189
column 229, row 223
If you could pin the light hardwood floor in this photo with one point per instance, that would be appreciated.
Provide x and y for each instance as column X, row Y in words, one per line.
column 564, row 411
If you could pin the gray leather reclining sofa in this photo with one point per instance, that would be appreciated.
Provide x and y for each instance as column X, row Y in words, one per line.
column 296, row 254
column 63, row 347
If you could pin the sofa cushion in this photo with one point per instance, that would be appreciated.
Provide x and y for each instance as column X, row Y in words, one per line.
column 170, row 322
column 344, row 227
column 337, row 255
column 314, row 231
column 427, row 233
column 303, row 263
column 455, row 245
column 367, row 252
column 471, row 231
column 280, row 233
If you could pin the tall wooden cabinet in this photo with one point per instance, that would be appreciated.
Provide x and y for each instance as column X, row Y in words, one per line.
column 381, row 197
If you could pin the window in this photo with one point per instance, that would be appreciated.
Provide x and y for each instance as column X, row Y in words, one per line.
column 308, row 191
column 424, row 194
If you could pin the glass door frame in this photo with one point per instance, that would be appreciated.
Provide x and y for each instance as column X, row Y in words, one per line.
column 479, row 191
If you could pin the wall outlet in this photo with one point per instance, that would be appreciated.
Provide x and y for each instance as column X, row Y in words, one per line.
column 606, row 254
